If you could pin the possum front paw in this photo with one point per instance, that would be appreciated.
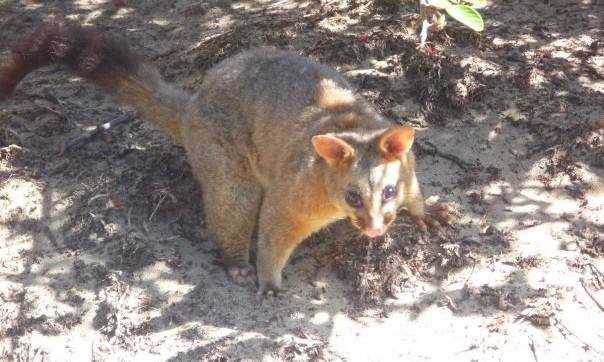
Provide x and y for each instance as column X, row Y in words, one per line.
column 436, row 215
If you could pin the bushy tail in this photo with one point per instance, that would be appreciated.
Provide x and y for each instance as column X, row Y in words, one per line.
column 102, row 60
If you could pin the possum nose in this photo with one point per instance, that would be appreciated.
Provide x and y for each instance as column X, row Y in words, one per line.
column 375, row 232
column 376, row 228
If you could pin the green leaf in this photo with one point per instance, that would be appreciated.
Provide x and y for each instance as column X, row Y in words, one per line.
column 477, row 3
column 467, row 16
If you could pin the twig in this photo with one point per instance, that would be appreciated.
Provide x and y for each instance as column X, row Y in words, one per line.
column 599, row 277
column 584, row 284
column 157, row 206
column 595, row 269
column 534, row 350
column 472, row 272
column 431, row 149
column 565, row 331
column 488, row 208
column 85, row 137
column 96, row 197
column 451, row 304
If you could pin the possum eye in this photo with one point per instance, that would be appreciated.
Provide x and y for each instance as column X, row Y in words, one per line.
column 353, row 198
column 389, row 193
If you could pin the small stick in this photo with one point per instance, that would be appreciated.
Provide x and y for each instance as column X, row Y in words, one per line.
column 472, row 272
column 594, row 268
column 87, row 136
column 598, row 275
column 429, row 148
column 566, row 332
column 488, row 209
column 584, row 284
column 157, row 206
column 533, row 349
column 451, row 304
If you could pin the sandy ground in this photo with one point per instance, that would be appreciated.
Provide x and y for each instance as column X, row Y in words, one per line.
column 104, row 256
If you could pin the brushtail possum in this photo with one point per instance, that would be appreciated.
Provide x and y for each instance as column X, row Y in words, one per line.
column 276, row 140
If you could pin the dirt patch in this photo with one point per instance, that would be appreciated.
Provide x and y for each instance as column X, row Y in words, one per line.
column 105, row 255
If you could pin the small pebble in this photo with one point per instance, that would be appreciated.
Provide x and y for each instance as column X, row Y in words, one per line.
column 571, row 246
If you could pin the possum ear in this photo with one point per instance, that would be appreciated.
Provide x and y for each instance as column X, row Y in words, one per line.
column 395, row 142
column 332, row 149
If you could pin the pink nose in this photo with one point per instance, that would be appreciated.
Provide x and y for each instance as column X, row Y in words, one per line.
column 373, row 232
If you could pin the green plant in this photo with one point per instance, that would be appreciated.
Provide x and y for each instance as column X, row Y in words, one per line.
column 434, row 20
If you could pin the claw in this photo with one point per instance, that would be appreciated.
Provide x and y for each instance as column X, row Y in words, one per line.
column 436, row 216
column 271, row 294
column 421, row 225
